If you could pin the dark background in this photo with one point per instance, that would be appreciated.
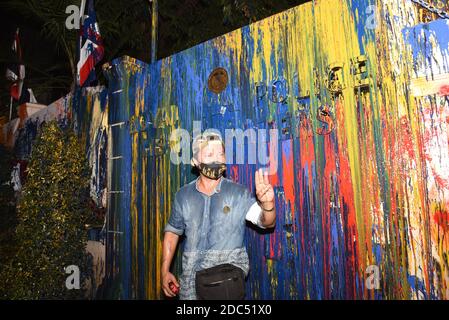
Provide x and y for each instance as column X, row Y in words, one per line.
column 126, row 30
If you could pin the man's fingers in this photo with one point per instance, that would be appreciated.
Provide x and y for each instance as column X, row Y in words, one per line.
column 167, row 293
column 175, row 281
column 262, row 189
column 170, row 293
column 261, row 192
column 166, row 285
column 262, row 183
column 265, row 178
column 257, row 176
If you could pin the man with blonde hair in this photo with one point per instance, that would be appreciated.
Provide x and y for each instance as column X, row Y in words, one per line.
column 211, row 212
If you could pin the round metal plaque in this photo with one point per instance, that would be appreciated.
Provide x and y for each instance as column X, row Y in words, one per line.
column 218, row 80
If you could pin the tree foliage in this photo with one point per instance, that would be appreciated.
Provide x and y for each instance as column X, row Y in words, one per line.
column 7, row 210
column 52, row 214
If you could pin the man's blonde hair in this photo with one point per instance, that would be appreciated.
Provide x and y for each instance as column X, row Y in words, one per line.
column 202, row 140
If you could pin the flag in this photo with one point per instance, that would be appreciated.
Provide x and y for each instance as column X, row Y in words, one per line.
column 27, row 96
column 15, row 71
column 91, row 46
column 15, row 89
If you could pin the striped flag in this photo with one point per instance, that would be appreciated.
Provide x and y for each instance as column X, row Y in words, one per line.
column 91, row 46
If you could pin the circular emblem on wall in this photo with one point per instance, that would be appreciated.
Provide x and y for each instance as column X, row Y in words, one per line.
column 218, row 80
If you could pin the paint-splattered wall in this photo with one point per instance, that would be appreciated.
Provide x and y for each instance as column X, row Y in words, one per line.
column 90, row 120
column 359, row 93
column 21, row 132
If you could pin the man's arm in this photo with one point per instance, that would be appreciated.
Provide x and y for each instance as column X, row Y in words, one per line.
column 268, row 217
column 168, row 251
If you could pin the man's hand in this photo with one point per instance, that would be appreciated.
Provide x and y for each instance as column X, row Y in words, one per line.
column 264, row 190
column 168, row 250
column 168, row 277
column 265, row 195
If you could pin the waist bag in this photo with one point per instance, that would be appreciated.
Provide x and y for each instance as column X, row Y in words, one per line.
column 222, row 282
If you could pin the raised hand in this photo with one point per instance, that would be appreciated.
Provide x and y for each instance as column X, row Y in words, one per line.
column 264, row 190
